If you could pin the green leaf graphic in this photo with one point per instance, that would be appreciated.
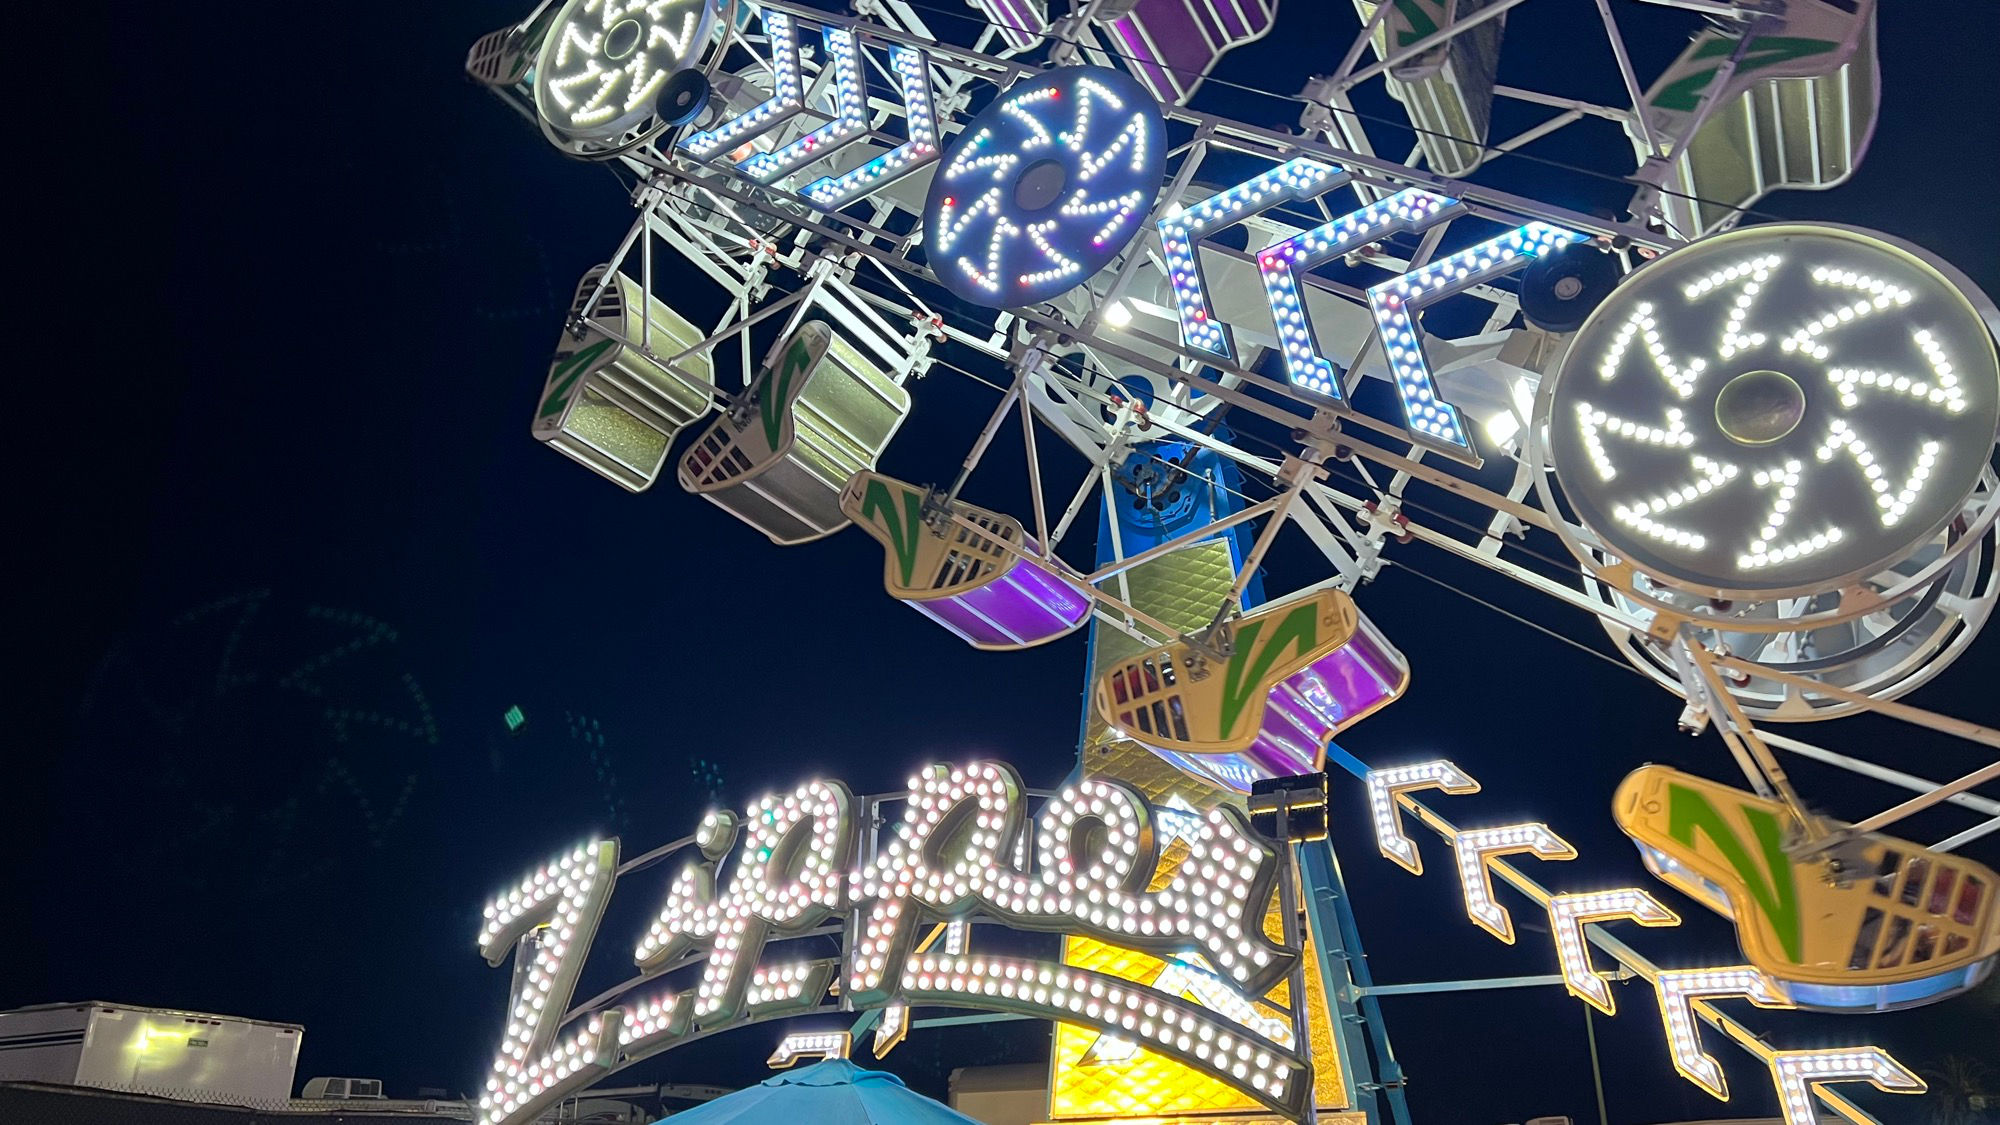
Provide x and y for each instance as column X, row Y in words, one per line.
column 1299, row 630
column 566, row 376
column 1689, row 812
column 772, row 403
column 877, row 504
column 1683, row 95
column 1420, row 22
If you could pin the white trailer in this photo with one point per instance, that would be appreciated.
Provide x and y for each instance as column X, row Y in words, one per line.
column 191, row 1056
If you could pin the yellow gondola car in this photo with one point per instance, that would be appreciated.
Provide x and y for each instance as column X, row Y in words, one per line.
column 611, row 406
column 816, row 416
column 1297, row 673
column 964, row 579
column 1896, row 926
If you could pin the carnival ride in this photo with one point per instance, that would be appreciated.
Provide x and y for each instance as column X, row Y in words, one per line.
column 1759, row 456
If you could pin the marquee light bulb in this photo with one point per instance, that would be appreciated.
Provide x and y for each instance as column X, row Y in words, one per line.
column 654, row 1024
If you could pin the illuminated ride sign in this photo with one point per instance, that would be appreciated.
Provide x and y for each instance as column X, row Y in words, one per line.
column 961, row 848
column 1093, row 864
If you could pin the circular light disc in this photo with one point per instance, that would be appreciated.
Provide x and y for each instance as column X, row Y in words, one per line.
column 1775, row 411
column 605, row 62
column 1045, row 187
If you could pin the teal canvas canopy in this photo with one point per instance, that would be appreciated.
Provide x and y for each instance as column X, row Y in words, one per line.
column 834, row 1092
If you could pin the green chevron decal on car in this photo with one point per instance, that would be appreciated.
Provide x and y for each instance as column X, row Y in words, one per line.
column 1772, row 887
column 903, row 528
column 565, row 376
column 1244, row 676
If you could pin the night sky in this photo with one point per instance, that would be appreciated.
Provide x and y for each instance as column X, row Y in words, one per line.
column 292, row 554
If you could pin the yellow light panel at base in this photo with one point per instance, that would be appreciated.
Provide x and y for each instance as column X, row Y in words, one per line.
column 1090, row 1083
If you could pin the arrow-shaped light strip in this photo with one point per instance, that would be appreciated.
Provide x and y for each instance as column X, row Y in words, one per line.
column 1280, row 264
column 849, row 122
column 894, row 1027
column 1797, row 1072
column 1181, row 231
column 913, row 75
column 1568, row 914
column 785, row 102
column 810, row 1045
column 1477, row 848
column 1385, row 790
column 1397, row 301
column 1679, row 989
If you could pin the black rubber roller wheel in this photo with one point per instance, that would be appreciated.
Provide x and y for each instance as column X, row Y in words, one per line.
column 683, row 97
column 1561, row 288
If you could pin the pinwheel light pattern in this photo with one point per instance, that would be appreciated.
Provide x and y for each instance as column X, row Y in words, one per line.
column 1045, row 187
column 604, row 61
column 1775, row 411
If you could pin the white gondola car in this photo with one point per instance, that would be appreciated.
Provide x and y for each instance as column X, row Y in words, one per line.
column 616, row 408
column 818, row 413
column 499, row 58
column 1448, row 89
column 1796, row 112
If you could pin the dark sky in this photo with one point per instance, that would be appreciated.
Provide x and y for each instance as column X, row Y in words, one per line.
column 292, row 553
